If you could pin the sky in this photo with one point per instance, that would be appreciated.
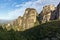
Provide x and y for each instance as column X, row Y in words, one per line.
column 11, row 9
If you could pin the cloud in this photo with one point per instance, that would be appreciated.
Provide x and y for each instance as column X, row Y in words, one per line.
column 14, row 14
column 20, row 11
column 37, row 4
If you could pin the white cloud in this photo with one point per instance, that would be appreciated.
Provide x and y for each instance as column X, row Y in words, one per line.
column 38, row 5
column 19, row 12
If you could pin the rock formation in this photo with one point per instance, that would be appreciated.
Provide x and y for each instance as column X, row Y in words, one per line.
column 27, row 21
column 45, row 14
column 17, row 24
column 31, row 18
column 58, row 11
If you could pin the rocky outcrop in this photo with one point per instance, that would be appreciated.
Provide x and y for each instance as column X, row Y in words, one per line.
column 27, row 21
column 46, row 13
column 29, row 18
column 49, row 12
column 17, row 24
column 58, row 11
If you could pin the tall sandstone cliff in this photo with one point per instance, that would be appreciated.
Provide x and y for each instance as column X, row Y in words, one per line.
column 27, row 21
column 30, row 18
column 45, row 14
column 49, row 12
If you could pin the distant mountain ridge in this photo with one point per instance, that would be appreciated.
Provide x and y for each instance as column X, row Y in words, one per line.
column 5, row 21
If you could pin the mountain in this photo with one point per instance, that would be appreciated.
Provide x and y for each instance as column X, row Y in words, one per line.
column 5, row 21
column 33, row 26
column 27, row 21
column 31, row 18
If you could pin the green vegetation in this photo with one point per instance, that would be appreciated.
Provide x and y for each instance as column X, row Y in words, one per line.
column 46, row 31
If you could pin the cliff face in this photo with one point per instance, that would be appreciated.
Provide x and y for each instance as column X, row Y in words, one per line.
column 27, row 21
column 49, row 12
column 45, row 14
column 58, row 11
column 31, row 18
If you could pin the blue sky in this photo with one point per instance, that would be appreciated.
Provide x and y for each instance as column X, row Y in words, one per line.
column 11, row 9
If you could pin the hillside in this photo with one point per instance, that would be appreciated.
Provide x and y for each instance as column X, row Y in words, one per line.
column 46, row 31
column 31, row 16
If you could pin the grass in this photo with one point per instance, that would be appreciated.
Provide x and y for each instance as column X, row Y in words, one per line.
column 49, row 30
